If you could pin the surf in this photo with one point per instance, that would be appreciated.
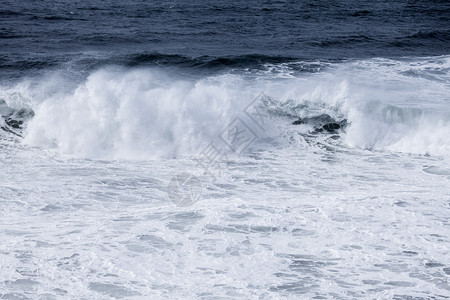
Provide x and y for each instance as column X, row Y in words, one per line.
column 119, row 112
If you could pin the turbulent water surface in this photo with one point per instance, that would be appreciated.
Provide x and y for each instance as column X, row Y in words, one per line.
column 223, row 150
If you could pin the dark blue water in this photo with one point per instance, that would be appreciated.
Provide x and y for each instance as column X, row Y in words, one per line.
column 214, row 34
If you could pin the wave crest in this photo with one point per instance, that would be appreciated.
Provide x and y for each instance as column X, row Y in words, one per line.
column 146, row 113
column 132, row 115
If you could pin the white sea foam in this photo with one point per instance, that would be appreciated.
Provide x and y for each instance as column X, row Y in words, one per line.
column 290, row 220
column 148, row 113
column 132, row 114
column 380, row 126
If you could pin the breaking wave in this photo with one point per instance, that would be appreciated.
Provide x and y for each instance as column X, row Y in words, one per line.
column 124, row 113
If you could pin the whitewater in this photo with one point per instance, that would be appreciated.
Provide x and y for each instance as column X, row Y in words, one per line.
column 132, row 182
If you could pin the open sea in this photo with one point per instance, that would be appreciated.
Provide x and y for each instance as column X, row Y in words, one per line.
column 225, row 149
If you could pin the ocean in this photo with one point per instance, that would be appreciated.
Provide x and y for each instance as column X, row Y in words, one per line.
column 225, row 149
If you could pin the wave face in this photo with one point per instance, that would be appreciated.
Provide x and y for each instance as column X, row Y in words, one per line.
column 144, row 113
